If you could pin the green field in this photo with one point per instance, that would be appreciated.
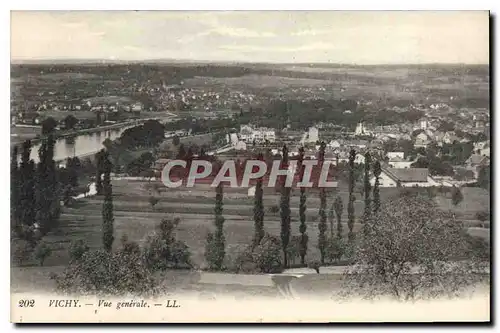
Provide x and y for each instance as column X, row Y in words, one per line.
column 135, row 217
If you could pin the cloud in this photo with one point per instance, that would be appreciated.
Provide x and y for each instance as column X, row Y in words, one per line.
column 312, row 32
column 73, row 25
column 320, row 46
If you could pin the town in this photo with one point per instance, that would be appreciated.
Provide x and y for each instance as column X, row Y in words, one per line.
column 90, row 145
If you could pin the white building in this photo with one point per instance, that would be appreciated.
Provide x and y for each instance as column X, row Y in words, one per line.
column 411, row 177
column 249, row 134
column 424, row 124
column 311, row 136
column 394, row 154
column 422, row 140
column 360, row 129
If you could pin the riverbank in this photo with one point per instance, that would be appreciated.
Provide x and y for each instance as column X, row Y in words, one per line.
column 36, row 138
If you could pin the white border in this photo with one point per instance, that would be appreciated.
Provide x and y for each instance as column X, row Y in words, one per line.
column 183, row 5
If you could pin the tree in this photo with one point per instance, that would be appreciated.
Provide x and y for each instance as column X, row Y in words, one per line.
column 338, row 206
column 70, row 122
column 350, row 205
column 48, row 125
column 367, row 188
column 15, row 184
column 322, row 209
column 77, row 249
column 107, row 207
column 302, row 212
column 42, row 252
column 46, row 188
column 153, row 201
column 377, row 170
column 99, row 158
column 412, row 250
column 456, row 196
column 68, row 193
column 258, row 213
column 215, row 247
column 27, row 191
column 483, row 216
column 483, row 178
column 73, row 165
column 285, row 209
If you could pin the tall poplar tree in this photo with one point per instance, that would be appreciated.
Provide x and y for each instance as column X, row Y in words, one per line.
column 107, row 206
column 367, row 191
column 46, row 187
column 350, row 206
column 338, row 206
column 285, row 209
column 322, row 226
column 27, row 189
column 377, row 170
column 302, row 211
column 258, row 213
column 15, row 207
column 99, row 157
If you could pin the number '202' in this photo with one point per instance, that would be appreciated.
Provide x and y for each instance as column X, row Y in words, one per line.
column 26, row 303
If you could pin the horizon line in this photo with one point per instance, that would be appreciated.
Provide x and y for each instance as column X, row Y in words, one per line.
column 69, row 61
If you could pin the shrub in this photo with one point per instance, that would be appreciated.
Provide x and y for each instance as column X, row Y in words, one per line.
column 153, row 201
column 293, row 249
column 240, row 260
column 103, row 273
column 478, row 247
column 156, row 253
column 335, row 249
column 21, row 251
column 180, row 255
column 483, row 216
column 274, row 209
column 162, row 250
column 267, row 255
column 77, row 249
column 42, row 252
column 214, row 252
column 129, row 247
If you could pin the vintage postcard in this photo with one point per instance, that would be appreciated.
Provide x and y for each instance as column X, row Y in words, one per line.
column 258, row 167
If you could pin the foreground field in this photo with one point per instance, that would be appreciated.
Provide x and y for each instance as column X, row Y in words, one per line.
column 135, row 218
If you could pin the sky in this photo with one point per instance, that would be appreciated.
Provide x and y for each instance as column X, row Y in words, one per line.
column 272, row 36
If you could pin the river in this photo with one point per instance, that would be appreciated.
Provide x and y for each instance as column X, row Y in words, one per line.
column 80, row 145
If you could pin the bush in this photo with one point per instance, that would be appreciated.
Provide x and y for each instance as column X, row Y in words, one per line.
column 240, row 260
column 162, row 250
column 180, row 255
column 478, row 247
column 274, row 209
column 350, row 250
column 483, row 216
column 42, row 252
column 335, row 249
column 103, row 273
column 21, row 251
column 214, row 252
column 293, row 249
column 129, row 247
column 267, row 255
column 156, row 253
column 77, row 249
column 160, row 255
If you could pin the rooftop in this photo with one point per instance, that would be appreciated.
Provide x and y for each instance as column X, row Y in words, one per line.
column 408, row 175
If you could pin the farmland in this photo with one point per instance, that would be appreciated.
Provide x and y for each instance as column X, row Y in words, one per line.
column 135, row 217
